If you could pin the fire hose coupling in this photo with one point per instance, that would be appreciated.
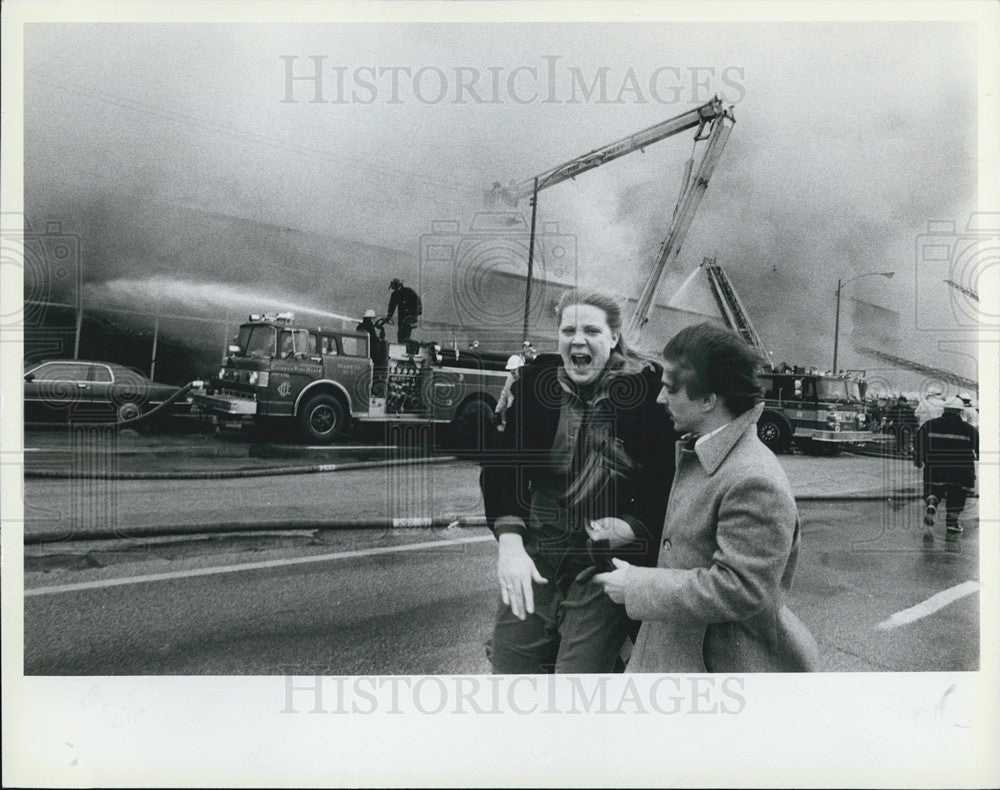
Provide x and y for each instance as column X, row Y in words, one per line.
column 181, row 393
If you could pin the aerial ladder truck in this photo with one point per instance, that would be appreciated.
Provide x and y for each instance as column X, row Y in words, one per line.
column 818, row 412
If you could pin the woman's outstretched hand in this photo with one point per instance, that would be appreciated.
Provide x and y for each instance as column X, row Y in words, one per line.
column 516, row 571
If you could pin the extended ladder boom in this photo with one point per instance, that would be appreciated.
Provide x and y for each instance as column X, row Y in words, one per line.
column 700, row 116
column 691, row 194
column 731, row 306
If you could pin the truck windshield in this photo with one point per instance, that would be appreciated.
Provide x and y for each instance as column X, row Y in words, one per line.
column 295, row 341
column 839, row 390
column 256, row 341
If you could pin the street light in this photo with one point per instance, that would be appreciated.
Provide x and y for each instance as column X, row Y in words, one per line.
column 836, row 330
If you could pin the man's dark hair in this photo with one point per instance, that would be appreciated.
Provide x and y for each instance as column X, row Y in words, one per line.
column 714, row 360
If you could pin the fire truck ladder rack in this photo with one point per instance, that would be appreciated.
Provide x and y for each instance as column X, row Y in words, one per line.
column 731, row 306
column 926, row 370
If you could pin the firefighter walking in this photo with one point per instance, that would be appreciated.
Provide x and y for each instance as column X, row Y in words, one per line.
column 946, row 448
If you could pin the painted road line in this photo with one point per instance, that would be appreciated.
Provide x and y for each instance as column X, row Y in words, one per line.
column 251, row 566
column 931, row 605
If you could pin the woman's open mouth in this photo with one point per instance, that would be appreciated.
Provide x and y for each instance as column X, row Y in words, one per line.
column 581, row 360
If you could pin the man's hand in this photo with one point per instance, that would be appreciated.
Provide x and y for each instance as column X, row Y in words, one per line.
column 613, row 582
column 515, row 570
column 615, row 531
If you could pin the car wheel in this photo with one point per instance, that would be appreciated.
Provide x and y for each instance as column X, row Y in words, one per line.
column 773, row 432
column 128, row 411
column 322, row 418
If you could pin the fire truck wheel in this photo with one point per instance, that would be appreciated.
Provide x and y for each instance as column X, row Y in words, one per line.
column 773, row 432
column 322, row 418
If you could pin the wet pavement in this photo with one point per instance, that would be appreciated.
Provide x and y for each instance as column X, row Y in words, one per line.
column 216, row 576
column 194, row 448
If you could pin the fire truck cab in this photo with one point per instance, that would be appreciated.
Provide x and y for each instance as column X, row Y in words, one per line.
column 322, row 380
column 818, row 412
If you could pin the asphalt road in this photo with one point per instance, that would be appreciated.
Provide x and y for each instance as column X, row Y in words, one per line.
column 91, row 489
column 421, row 601
column 405, row 601
column 74, row 506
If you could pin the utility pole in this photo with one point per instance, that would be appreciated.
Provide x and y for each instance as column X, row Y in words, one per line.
column 531, row 261
column 836, row 326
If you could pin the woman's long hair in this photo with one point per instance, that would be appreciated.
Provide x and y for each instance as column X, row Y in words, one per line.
column 612, row 311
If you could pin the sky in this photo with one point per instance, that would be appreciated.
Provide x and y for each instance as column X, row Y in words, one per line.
column 187, row 162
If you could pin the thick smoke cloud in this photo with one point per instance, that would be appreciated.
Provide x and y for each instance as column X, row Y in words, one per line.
column 171, row 155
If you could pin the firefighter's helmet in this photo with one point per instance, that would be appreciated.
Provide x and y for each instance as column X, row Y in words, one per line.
column 514, row 361
column 949, row 404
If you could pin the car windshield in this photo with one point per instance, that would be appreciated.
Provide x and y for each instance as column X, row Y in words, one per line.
column 843, row 390
column 256, row 341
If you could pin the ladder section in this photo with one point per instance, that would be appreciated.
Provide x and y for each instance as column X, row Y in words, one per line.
column 692, row 191
column 733, row 312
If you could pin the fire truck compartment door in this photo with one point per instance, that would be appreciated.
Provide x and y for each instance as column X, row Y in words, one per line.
column 354, row 374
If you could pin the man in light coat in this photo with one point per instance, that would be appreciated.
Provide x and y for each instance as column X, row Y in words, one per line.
column 731, row 534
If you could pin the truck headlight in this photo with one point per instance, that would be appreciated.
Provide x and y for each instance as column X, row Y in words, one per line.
column 258, row 378
column 862, row 418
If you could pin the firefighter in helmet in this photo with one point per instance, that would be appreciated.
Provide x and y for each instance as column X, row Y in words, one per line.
column 378, row 350
column 408, row 302
column 514, row 364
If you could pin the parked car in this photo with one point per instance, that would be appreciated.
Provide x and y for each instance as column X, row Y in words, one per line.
column 86, row 391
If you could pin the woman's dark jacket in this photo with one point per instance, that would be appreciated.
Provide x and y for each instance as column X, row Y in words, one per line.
column 638, row 424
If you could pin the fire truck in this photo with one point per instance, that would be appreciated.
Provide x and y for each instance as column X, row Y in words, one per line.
column 324, row 380
column 817, row 411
